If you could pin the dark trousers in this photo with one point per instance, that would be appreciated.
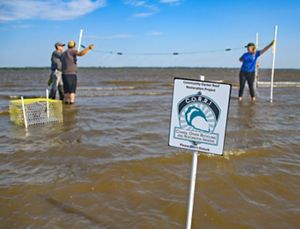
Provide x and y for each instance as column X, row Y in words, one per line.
column 249, row 77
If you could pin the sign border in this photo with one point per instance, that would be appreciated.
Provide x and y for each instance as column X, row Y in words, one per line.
column 227, row 114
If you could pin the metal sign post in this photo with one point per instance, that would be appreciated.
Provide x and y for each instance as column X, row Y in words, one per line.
column 192, row 183
column 198, row 122
column 192, row 190
column 273, row 63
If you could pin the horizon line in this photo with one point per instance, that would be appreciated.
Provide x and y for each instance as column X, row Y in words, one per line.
column 158, row 67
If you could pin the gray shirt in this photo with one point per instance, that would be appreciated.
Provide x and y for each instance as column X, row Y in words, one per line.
column 56, row 61
column 69, row 61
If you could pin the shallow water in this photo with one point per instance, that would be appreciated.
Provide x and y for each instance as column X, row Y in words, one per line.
column 109, row 165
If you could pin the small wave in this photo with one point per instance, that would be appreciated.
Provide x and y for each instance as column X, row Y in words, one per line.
column 142, row 82
column 230, row 153
column 124, row 94
column 4, row 112
column 279, row 84
column 105, row 88
column 25, row 97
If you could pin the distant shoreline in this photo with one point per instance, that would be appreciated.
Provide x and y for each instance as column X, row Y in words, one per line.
column 227, row 68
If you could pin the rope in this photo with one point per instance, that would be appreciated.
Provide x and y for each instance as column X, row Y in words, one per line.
column 119, row 53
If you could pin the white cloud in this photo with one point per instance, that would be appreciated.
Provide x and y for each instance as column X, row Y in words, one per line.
column 170, row 1
column 110, row 37
column 135, row 3
column 12, row 10
column 148, row 9
column 154, row 33
column 23, row 26
column 145, row 14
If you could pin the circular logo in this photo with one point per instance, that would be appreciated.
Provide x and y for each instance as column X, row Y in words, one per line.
column 197, row 114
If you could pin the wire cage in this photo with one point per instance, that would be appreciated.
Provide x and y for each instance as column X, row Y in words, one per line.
column 35, row 111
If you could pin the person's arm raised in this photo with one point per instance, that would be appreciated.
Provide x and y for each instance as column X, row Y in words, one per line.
column 266, row 48
column 85, row 51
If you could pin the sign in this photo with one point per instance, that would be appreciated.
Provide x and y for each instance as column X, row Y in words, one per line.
column 199, row 115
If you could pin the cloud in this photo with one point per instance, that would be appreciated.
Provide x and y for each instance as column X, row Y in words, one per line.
column 170, row 1
column 23, row 26
column 110, row 37
column 145, row 14
column 154, row 33
column 12, row 10
column 135, row 3
column 148, row 9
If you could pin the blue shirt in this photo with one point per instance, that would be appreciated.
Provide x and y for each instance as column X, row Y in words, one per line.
column 249, row 61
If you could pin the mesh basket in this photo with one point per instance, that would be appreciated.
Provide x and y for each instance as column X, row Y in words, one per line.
column 35, row 111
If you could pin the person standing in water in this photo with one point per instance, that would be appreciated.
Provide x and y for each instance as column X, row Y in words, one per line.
column 69, row 70
column 247, row 72
column 55, row 81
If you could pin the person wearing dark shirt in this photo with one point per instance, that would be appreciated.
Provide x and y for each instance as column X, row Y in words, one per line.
column 69, row 70
column 247, row 72
column 56, row 74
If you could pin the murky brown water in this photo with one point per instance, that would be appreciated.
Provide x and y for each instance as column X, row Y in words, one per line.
column 109, row 166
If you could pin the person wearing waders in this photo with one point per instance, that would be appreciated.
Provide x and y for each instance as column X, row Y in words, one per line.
column 247, row 72
column 55, row 82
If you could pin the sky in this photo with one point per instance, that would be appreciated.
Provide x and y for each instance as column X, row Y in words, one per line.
column 198, row 30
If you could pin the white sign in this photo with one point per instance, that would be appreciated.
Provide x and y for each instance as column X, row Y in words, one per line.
column 199, row 115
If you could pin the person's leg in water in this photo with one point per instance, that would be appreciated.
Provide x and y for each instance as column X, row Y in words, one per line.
column 66, row 89
column 72, row 98
column 67, row 98
column 70, row 84
column 53, row 86
column 61, row 92
column 250, row 81
column 242, row 85
column 73, row 89
column 60, row 85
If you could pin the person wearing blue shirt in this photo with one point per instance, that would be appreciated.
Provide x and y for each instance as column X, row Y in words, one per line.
column 247, row 72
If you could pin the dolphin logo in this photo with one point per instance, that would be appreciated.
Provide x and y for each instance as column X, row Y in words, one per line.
column 197, row 119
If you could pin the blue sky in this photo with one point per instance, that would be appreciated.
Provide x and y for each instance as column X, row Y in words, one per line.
column 29, row 29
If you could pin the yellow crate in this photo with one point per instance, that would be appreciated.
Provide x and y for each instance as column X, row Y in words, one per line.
column 35, row 111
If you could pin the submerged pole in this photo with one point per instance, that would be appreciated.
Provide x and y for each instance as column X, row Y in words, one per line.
column 24, row 112
column 273, row 63
column 192, row 190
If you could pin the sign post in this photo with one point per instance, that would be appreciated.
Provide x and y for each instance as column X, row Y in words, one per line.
column 193, row 183
column 273, row 63
column 192, row 190
column 198, row 122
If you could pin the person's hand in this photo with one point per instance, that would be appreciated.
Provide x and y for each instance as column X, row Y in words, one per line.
column 91, row 47
column 273, row 43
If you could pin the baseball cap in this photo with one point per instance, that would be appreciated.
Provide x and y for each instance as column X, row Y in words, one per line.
column 249, row 45
column 71, row 44
column 59, row 44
